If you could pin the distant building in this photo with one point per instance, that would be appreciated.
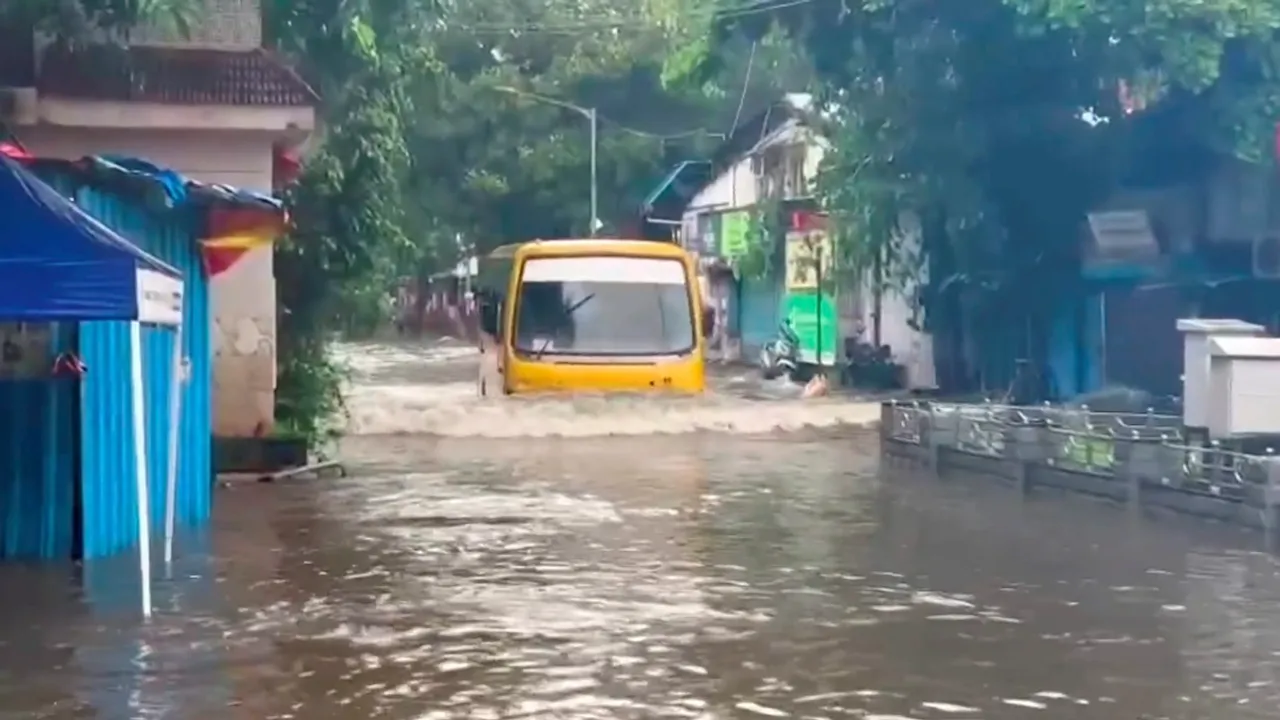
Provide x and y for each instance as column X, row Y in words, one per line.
column 773, row 157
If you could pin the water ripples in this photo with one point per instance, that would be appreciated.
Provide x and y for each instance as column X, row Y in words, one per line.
column 697, row 577
column 432, row 390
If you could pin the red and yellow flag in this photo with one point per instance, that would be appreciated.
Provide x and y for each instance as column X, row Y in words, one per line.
column 232, row 232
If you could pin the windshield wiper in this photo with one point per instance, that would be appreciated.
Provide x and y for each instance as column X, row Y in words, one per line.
column 568, row 314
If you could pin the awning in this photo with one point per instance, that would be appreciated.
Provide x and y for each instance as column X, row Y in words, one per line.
column 679, row 185
column 58, row 263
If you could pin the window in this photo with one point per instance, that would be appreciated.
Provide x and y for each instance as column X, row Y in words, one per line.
column 604, row 306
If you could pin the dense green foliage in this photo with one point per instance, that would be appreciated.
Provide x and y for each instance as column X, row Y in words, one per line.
column 348, row 218
column 991, row 126
column 996, row 124
column 453, row 129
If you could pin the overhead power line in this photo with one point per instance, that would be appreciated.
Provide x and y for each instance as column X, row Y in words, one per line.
column 695, row 132
column 594, row 112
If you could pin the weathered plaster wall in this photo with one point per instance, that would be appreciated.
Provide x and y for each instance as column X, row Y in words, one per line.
column 244, row 297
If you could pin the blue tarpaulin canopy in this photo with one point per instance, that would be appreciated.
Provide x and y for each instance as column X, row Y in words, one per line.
column 59, row 263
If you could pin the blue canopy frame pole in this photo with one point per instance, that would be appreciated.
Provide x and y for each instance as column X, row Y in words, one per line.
column 160, row 302
column 177, row 383
column 140, row 452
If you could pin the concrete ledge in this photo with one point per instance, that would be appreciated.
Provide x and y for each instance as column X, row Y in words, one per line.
column 258, row 455
column 958, row 465
column 1022, row 459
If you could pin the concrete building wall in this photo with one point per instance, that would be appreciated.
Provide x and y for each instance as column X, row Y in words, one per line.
column 900, row 312
column 739, row 187
column 733, row 188
column 244, row 297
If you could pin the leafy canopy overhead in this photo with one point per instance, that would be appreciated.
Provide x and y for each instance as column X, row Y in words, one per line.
column 456, row 127
column 999, row 122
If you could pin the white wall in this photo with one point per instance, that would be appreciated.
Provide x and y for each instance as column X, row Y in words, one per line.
column 244, row 297
column 735, row 187
column 813, row 157
column 911, row 348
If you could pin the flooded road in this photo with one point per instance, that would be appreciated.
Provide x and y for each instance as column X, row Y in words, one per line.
column 678, row 576
column 403, row 388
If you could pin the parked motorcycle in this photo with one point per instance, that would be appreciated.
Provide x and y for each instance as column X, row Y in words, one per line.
column 781, row 355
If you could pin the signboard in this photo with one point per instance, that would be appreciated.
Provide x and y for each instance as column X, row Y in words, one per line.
column 26, row 350
column 1123, row 245
column 704, row 240
column 1123, row 232
column 809, row 256
column 159, row 298
column 809, row 303
column 735, row 229
column 815, row 319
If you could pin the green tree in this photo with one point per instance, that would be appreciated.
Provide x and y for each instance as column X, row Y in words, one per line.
column 347, row 210
column 999, row 123
column 494, row 164
column 494, row 160
column 432, row 134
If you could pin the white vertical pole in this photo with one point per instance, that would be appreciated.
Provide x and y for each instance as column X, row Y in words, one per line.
column 176, row 386
column 140, row 453
column 1102, row 336
column 595, row 192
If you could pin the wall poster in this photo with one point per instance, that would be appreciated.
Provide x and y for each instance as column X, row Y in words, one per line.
column 809, row 300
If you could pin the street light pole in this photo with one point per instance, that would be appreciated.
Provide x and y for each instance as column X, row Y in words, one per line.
column 594, row 119
column 595, row 216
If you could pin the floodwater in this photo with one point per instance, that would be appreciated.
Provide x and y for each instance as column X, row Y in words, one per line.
column 697, row 575
column 403, row 388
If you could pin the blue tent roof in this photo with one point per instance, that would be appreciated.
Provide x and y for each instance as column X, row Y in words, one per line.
column 57, row 262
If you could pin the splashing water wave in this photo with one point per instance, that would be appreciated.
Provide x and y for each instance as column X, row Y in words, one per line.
column 431, row 390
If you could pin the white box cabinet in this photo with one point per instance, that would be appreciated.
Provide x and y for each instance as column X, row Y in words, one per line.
column 1244, row 386
column 1195, row 362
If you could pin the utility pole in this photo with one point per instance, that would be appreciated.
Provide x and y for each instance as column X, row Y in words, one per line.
column 595, row 197
column 593, row 118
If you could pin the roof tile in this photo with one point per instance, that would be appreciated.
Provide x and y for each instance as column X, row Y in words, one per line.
column 171, row 75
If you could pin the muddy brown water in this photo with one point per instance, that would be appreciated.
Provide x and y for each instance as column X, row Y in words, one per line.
column 409, row 388
column 695, row 576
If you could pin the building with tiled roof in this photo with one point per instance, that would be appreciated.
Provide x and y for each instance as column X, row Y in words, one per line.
column 214, row 106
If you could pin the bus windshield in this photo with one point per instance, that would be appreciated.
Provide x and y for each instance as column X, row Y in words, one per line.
column 604, row 306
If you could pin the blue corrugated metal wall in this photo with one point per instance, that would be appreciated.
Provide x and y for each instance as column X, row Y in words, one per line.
column 107, row 461
column 37, row 473
column 759, row 313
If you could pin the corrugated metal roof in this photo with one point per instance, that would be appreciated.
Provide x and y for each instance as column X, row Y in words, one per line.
column 109, row 468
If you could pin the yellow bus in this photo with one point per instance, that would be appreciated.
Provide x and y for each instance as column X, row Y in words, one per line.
column 591, row 316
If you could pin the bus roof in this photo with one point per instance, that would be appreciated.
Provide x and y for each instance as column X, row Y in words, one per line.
column 589, row 246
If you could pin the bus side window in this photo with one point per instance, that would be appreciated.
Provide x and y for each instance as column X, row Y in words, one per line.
column 490, row 314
